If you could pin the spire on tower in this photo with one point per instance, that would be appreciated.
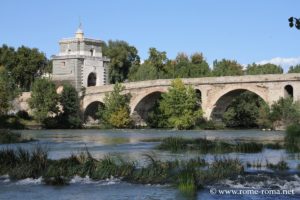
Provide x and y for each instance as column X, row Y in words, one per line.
column 79, row 33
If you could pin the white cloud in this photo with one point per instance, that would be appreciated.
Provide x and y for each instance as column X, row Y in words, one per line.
column 285, row 63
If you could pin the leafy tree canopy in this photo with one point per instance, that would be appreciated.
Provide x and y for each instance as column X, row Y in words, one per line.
column 8, row 91
column 24, row 64
column 227, row 68
column 294, row 69
column 122, row 57
column 44, row 99
column 116, row 111
column 192, row 67
column 286, row 111
column 180, row 106
column 268, row 68
column 243, row 110
column 69, row 100
column 157, row 58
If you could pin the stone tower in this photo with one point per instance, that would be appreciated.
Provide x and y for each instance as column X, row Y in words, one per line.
column 80, row 62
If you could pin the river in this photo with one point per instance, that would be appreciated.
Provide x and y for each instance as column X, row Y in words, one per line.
column 130, row 145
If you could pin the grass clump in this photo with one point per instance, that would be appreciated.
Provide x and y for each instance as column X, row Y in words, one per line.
column 23, row 163
column 111, row 166
column 173, row 144
column 224, row 167
column 187, row 181
column 249, row 147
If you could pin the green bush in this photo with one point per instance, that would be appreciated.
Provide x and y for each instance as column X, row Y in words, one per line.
column 292, row 137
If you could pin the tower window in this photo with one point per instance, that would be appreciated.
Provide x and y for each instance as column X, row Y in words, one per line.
column 63, row 64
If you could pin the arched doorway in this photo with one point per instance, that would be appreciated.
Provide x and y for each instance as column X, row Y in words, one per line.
column 90, row 113
column 92, row 78
column 288, row 91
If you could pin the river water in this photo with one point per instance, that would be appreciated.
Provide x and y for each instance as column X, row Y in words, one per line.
column 130, row 144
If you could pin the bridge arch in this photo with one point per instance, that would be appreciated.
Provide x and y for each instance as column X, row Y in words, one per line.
column 90, row 111
column 220, row 101
column 144, row 102
column 134, row 101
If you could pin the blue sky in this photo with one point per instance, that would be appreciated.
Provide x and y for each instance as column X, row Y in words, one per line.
column 247, row 31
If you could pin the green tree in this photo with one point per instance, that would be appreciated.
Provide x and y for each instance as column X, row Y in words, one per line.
column 44, row 100
column 285, row 111
column 294, row 69
column 263, row 119
column 24, row 64
column 243, row 111
column 69, row 100
column 180, row 106
column 8, row 91
column 268, row 68
column 158, row 59
column 194, row 67
column 154, row 67
column 227, row 68
column 7, row 56
column 116, row 111
column 122, row 58
column 142, row 72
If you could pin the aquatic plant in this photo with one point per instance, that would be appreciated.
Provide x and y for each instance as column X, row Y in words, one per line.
column 273, row 146
column 187, row 175
column 292, row 138
column 280, row 166
column 249, row 147
column 8, row 137
column 8, row 159
column 255, row 164
column 225, row 167
column 187, row 181
column 175, row 144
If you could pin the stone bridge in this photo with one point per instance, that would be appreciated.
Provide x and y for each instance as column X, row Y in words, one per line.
column 215, row 93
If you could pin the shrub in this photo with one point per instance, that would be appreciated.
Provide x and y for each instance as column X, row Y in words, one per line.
column 292, row 138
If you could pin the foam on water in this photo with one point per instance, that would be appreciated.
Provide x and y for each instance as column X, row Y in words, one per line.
column 5, row 178
column 264, row 182
column 88, row 180
column 28, row 181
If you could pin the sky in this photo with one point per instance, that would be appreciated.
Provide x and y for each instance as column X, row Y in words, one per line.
column 243, row 30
